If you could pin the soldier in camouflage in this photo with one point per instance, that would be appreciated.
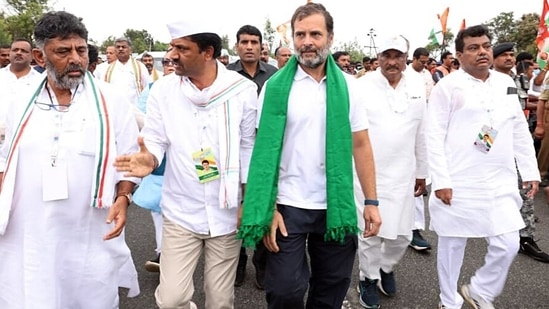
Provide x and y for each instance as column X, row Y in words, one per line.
column 504, row 62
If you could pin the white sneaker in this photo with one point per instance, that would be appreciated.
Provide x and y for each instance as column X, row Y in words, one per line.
column 474, row 300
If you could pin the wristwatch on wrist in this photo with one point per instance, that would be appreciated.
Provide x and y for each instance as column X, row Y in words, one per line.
column 371, row 202
column 127, row 195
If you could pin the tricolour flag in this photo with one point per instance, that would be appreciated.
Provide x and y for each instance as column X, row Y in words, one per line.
column 543, row 35
column 435, row 37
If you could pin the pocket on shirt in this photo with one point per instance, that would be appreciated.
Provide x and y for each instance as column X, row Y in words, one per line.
column 88, row 140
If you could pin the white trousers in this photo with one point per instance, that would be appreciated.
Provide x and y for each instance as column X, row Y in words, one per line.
column 419, row 223
column 157, row 221
column 488, row 281
column 375, row 253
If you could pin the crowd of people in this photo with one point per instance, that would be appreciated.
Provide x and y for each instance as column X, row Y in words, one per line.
column 304, row 161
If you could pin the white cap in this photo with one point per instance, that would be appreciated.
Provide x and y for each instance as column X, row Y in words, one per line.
column 396, row 42
column 224, row 52
column 182, row 28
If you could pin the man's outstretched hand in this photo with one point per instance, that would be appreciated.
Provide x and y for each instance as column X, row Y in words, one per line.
column 139, row 164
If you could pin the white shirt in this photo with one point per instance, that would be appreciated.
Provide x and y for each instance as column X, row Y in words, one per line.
column 396, row 117
column 11, row 86
column 302, row 175
column 125, row 75
column 486, row 199
column 427, row 78
column 173, row 125
column 46, row 241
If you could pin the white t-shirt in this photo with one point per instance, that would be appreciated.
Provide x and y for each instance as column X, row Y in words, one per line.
column 302, row 175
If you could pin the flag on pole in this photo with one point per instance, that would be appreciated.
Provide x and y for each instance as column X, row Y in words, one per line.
column 543, row 35
column 444, row 19
column 435, row 37
column 462, row 24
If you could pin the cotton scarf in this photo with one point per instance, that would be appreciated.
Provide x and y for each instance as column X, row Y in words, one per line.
column 102, row 191
column 262, row 184
column 136, row 72
column 218, row 96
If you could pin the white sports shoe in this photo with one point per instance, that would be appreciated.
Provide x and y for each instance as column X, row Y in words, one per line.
column 474, row 300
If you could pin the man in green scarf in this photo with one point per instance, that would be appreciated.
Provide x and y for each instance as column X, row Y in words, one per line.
column 300, row 187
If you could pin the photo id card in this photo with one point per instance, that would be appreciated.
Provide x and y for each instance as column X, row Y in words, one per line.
column 485, row 139
column 206, row 165
column 55, row 185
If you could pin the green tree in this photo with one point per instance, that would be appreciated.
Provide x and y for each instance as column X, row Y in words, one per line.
column 526, row 32
column 106, row 43
column 502, row 27
column 225, row 44
column 5, row 36
column 353, row 48
column 142, row 40
column 20, row 16
column 523, row 32
column 268, row 34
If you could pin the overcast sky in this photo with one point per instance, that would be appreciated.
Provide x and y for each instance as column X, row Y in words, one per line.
column 352, row 19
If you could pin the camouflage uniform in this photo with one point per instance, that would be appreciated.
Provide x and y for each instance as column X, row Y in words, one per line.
column 527, row 211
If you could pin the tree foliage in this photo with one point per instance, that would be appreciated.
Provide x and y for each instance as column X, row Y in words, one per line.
column 353, row 48
column 19, row 17
column 523, row 32
column 268, row 34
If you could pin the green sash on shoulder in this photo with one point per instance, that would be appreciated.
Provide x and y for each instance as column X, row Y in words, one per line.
column 262, row 184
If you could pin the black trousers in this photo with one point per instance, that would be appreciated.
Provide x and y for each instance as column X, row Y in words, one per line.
column 288, row 275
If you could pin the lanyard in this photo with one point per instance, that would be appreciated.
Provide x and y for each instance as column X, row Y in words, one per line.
column 56, row 133
column 57, row 124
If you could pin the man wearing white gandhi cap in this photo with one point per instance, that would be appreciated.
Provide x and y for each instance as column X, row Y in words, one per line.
column 202, row 112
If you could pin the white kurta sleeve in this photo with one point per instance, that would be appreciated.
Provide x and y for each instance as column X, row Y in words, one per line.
column 421, row 149
column 126, row 130
column 247, row 130
column 436, row 131
column 525, row 154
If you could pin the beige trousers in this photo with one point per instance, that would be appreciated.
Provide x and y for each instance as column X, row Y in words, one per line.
column 181, row 250
column 543, row 154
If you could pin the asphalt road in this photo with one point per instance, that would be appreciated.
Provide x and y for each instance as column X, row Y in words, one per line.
column 527, row 285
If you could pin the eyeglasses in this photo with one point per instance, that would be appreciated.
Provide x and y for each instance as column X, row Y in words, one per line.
column 49, row 106
column 167, row 62
column 55, row 107
column 265, row 53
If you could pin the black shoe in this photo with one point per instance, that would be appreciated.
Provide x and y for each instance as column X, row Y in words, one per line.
column 259, row 272
column 418, row 242
column 387, row 284
column 529, row 247
column 368, row 296
column 241, row 268
column 153, row 265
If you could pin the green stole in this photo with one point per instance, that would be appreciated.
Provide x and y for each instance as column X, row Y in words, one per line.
column 262, row 183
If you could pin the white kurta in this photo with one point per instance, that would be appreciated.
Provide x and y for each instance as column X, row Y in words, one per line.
column 486, row 199
column 52, row 253
column 10, row 86
column 132, row 80
column 176, row 127
column 396, row 117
